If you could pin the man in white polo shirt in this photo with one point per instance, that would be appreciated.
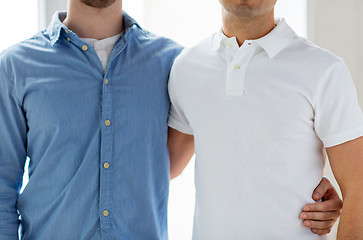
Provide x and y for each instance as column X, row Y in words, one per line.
column 263, row 104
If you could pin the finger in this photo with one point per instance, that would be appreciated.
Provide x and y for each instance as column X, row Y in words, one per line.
column 329, row 205
column 320, row 216
column 321, row 231
column 321, row 189
column 319, row 224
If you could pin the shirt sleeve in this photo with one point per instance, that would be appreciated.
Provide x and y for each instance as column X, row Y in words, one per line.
column 12, row 158
column 338, row 116
column 177, row 119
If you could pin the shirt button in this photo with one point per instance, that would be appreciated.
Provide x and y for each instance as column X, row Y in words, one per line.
column 106, row 165
column 106, row 81
column 107, row 123
column 84, row 48
column 68, row 39
column 236, row 67
column 66, row 31
column 228, row 44
column 105, row 213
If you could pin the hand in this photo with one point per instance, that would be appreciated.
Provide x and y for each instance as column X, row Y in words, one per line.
column 321, row 216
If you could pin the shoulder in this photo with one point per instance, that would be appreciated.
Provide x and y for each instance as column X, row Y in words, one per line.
column 193, row 56
column 158, row 49
column 311, row 54
column 310, row 65
column 157, row 43
column 192, row 62
column 20, row 52
column 319, row 70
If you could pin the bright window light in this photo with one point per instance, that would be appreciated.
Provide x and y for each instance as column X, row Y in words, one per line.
column 136, row 9
column 295, row 14
column 19, row 21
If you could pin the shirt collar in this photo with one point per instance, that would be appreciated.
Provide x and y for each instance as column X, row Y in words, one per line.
column 272, row 43
column 55, row 27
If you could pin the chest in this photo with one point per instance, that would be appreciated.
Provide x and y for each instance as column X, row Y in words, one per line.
column 274, row 102
column 77, row 98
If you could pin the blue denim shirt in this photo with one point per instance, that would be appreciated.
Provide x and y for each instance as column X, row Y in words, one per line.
column 97, row 142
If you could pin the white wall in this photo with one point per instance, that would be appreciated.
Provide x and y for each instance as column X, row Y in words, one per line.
column 13, row 18
column 187, row 21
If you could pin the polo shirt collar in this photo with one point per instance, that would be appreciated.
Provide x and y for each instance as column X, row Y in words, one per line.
column 273, row 43
column 55, row 27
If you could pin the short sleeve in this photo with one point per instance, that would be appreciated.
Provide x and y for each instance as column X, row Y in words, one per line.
column 338, row 116
column 177, row 119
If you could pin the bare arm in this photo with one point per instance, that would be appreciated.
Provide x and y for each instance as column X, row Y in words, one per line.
column 346, row 161
column 181, row 150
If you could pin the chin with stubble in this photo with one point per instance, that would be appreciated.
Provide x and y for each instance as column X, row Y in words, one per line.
column 248, row 8
column 98, row 3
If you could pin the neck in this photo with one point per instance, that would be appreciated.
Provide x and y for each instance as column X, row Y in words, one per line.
column 89, row 22
column 247, row 28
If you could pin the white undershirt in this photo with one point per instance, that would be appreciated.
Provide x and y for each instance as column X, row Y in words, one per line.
column 102, row 47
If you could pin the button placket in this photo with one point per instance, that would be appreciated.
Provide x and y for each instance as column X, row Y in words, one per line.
column 107, row 163
column 106, row 156
column 236, row 73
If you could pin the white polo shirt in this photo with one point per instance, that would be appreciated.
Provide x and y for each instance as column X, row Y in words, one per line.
column 261, row 115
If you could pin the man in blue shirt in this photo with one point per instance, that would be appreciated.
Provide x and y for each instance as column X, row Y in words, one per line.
column 95, row 131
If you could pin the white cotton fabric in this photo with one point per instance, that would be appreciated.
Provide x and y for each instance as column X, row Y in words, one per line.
column 103, row 48
column 261, row 115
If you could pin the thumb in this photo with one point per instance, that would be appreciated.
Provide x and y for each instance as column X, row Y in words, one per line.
column 321, row 189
